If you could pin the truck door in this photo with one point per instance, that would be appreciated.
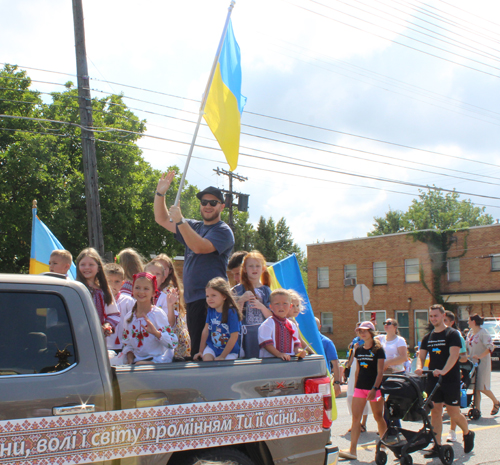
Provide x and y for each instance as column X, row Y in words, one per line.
column 44, row 369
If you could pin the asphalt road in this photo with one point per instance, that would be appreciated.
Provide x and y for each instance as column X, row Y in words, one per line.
column 487, row 441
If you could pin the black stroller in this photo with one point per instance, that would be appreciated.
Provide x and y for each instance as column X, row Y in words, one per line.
column 468, row 372
column 405, row 401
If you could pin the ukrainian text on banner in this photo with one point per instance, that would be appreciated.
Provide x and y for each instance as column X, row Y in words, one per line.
column 93, row 437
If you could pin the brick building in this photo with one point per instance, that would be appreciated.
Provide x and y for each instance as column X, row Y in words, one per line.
column 397, row 269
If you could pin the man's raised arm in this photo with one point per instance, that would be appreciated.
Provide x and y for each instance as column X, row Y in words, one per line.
column 161, row 213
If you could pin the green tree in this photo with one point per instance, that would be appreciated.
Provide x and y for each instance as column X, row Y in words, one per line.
column 433, row 210
column 275, row 242
column 390, row 224
column 43, row 161
column 244, row 232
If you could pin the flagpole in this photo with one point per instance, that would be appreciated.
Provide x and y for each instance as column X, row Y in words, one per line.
column 204, row 102
column 33, row 217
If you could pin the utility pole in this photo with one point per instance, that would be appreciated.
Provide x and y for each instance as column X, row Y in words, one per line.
column 243, row 198
column 88, row 142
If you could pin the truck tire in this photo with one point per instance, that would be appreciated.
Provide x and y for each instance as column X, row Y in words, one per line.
column 219, row 454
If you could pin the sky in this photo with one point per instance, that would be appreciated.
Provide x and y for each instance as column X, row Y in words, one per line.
column 351, row 105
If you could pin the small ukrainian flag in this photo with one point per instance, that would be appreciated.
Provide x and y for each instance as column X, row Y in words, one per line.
column 43, row 242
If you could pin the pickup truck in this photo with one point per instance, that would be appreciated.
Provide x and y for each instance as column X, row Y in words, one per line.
column 62, row 402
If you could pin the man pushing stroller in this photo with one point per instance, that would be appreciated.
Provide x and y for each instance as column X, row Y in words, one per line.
column 443, row 346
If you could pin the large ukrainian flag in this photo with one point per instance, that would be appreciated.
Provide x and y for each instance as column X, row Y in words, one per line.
column 224, row 102
column 286, row 274
column 43, row 242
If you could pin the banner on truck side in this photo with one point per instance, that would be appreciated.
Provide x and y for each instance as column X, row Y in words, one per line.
column 93, row 437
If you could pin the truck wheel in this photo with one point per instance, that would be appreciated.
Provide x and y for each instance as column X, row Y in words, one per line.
column 222, row 454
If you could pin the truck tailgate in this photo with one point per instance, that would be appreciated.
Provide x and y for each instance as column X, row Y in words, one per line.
column 186, row 382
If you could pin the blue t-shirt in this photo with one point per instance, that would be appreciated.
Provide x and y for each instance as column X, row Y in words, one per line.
column 201, row 268
column 253, row 316
column 330, row 350
column 219, row 333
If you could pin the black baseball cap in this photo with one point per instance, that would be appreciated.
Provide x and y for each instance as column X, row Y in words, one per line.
column 211, row 190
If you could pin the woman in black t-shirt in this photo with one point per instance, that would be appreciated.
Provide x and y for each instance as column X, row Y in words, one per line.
column 370, row 357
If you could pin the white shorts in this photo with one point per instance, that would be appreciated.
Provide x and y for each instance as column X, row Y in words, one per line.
column 230, row 356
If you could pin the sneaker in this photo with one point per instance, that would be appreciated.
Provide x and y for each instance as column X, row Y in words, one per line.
column 452, row 436
column 432, row 453
column 469, row 441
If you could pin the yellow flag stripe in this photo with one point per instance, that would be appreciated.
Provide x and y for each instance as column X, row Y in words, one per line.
column 37, row 267
column 223, row 118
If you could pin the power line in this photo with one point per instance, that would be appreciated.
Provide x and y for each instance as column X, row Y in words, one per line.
column 460, row 46
column 400, row 34
column 301, row 165
column 311, row 148
column 265, row 116
column 399, row 43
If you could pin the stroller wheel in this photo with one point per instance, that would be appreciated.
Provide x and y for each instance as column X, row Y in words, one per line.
column 474, row 414
column 406, row 460
column 446, row 454
column 381, row 458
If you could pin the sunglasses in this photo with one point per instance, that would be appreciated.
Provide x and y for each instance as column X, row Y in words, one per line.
column 212, row 203
column 388, row 323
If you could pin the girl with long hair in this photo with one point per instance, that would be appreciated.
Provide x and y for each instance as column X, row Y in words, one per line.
column 219, row 339
column 176, row 319
column 252, row 297
column 90, row 271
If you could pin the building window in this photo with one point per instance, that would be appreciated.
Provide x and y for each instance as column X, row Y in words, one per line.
column 495, row 262
column 326, row 322
column 403, row 320
column 453, row 270
column 323, row 278
column 412, row 270
column 379, row 318
column 350, row 271
column 421, row 323
column 463, row 313
column 379, row 273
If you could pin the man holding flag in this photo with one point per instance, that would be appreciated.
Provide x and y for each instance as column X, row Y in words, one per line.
column 209, row 242
column 208, row 245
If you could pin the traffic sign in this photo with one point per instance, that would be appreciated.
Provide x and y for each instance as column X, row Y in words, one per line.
column 361, row 294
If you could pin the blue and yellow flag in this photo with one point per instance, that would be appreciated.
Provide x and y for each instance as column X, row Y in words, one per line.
column 224, row 101
column 43, row 242
column 286, row 274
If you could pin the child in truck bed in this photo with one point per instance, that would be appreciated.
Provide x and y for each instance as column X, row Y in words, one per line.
column 89, row 271
column 278, row 336
column 219, row 339
column 147, row 336
column 175, row 312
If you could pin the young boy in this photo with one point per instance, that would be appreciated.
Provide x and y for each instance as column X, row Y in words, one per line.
column 278, row 336
column 115, row 276
column 60, row 261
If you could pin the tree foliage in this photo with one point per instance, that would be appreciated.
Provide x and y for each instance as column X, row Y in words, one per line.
column 42, row 160
column 433, row 210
